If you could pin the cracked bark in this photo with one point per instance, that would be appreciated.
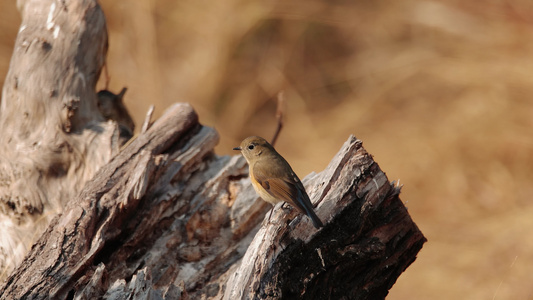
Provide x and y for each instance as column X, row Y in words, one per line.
column 167, row 218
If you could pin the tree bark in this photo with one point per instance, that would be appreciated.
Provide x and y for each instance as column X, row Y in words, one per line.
column 166, row 218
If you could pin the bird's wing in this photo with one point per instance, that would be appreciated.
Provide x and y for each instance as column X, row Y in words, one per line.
column 288, row 188
column 281, row 186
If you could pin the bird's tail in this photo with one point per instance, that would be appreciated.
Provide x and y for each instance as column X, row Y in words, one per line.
column 314, row 218
column 308, row 207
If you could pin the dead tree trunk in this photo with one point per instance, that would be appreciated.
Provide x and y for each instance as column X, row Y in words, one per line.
column 167, row 218
column 52, row 136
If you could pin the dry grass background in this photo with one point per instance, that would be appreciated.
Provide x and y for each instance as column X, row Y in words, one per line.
column 439, row 92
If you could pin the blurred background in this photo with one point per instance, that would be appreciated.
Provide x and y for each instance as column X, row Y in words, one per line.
column 439, row 92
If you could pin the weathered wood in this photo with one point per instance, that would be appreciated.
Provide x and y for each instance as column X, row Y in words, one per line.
column 53, row 138
column 96, row 222
column 181, row 219
column 167, row 218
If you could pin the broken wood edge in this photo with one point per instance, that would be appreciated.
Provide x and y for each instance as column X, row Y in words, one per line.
column 263, row 273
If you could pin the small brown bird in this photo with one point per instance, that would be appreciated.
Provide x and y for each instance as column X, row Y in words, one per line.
column 273, row 178
column 112, row 108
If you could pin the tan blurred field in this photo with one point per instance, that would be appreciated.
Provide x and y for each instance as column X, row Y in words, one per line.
column 441, row 93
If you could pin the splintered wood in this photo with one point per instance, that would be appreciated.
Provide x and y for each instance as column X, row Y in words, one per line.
column 167, row 216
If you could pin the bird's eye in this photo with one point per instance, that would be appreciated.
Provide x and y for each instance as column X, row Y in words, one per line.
column 251, row 147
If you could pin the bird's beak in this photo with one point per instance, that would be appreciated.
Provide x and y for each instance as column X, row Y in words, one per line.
column 237, row 148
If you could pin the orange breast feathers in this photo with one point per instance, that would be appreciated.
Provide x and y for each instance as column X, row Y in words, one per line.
column 261, row 191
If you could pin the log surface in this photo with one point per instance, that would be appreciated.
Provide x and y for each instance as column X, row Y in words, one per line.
column 167, row 216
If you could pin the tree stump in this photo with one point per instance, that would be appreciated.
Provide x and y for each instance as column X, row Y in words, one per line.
column 166, row 217
column 53, row 137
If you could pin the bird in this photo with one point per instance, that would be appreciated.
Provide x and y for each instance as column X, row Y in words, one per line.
column 273, row 178
column 112, row 107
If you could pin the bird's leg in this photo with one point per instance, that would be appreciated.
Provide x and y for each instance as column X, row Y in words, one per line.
column 270, row 215
column 272, row 210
